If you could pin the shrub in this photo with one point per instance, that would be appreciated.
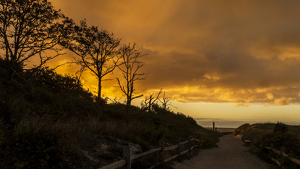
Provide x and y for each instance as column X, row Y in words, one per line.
column 280, row 128
column 288, row 140
column 241, row 129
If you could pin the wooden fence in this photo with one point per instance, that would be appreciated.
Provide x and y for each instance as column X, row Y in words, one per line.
column 280, row 153
column 128, row 158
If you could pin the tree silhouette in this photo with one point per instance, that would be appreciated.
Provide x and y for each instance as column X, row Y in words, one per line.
column 148, row 103
column 130, row 67
column 165, row 102
column 28, row 28
column 97, row 49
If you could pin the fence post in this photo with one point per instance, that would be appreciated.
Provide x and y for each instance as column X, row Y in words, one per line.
column 178, row 149
column 127, row 156
column 190, row 144
column 282, row 150
column 271, row 148
column 213, row 126
column 162, row 145
column 194, row 141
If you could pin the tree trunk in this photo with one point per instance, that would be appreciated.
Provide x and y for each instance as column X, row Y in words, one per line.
column 128, row 104
column 99, row 89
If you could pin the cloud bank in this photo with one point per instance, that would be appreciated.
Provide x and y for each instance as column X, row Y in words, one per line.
column 235, row 51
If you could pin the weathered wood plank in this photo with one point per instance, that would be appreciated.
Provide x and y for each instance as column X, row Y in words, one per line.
column 115, row 165
column 277, row 162
column 152, row 167
column 294, row 160
column 276, row 151
column 145, row 153
column 184, row 142
column 171, row 158
column 185, row 151
column 171, row 147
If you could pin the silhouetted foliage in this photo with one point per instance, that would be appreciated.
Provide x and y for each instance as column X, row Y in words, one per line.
column 97, row 49
column 52, row 118
column 28, row 28
column 148, row 103
column 165, row 102
column 280, row 128
column 49, row 79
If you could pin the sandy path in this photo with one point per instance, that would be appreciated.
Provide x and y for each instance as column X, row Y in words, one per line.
column 230, row 153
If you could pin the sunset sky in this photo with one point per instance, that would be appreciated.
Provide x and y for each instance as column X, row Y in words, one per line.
column 231, row 61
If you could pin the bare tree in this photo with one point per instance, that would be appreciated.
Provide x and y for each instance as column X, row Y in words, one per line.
column 97, row 49
column 28, row 28
column 130, row 67
column 165, row 102
column 148, row 103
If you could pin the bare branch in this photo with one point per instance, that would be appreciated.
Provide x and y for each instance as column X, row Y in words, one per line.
column 129, row 54
column 148, row 103
column 166, row 102
column 28, row 29
column 96, row 49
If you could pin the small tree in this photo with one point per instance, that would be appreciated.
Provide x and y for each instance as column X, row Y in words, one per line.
column 148, row 103
column 97, row 49
column 130, row 67
column 165, row 102
column 28, row 28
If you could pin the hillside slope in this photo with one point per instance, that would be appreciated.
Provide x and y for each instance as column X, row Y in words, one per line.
column 48, row 120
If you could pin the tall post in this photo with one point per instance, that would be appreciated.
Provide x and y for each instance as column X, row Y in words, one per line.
column 190, row 143
column 162, row 145
column 178, row 149
column 127, row 156
column 282, row 150
column 194, row 141
column 213, row 126
column 271, row 148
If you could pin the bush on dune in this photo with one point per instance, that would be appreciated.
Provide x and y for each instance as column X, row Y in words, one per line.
column 278, row 134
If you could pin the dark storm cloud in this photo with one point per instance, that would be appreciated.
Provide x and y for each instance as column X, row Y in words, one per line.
column 210, row 51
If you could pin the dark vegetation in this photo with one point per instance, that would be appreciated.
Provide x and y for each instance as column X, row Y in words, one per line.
column 278, row 134
column 48, row 120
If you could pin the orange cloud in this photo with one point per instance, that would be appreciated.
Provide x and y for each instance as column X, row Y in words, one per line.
column 283, row 101
column 243, row 52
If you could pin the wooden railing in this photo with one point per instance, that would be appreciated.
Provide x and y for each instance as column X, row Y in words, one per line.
column 128, row 158
column 281, row 153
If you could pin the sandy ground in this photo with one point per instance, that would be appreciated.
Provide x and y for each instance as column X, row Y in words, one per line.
column 230, row 153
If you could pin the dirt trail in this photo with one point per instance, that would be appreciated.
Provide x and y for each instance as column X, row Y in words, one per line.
column 230, row 153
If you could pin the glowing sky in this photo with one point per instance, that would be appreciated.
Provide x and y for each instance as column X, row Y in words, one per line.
column 236, row 60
